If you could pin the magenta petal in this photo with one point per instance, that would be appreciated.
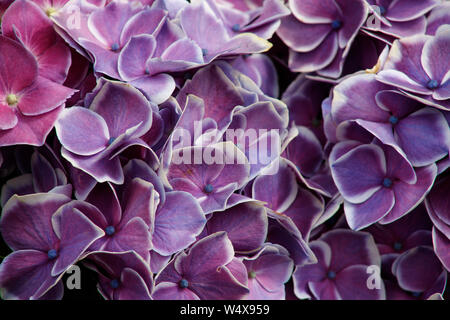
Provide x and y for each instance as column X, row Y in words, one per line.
column 82, row 131
column 34, row 29
column 43, row 96
column 18, row 67
column 8, row 118
column 55, row 62
column 32, row 130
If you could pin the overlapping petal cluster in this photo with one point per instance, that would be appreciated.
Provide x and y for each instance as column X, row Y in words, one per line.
column 168, row 149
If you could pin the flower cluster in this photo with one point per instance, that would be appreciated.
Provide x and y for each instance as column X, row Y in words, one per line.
column 224, row 149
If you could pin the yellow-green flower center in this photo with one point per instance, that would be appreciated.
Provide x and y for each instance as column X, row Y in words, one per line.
column 11, row 99
column 50, row 11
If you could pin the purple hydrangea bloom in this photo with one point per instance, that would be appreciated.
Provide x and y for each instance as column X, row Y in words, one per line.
column 212, row 184
column 36, row 32
column 178, row 217
column 53, row 237
column 125, row 223
column 142, row 44
column 125, row 275
column 393, row 118
column 201, row 273
column 418, row 66
column 341, row 271
column 377, row 183
column 320, row 33
column 29, row 103
column 268, row 271
column 93, row 137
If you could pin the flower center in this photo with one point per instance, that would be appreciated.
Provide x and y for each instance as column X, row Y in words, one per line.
column 393, row 119
column 432, row 84
column 110, row 230
column 114, row 283
column 204, row 52
column 111, row 140
column 382, row 10
column 398, row 246
column 236, row 27
column 387, row 183
column 331, row 274
column 208, row 188
column 183, row 284
column 336, row 24
column 50, row 11
column 11, row 99
column 114, row 47
column 252, row 274
column 52, row 254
